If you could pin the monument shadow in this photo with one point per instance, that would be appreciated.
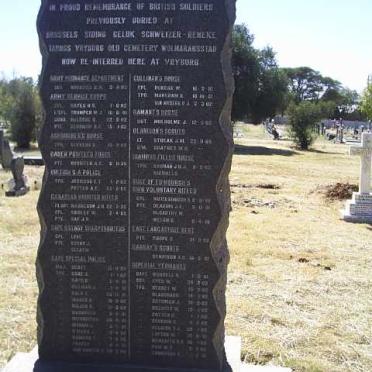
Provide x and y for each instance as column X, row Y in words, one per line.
column 63, row 367
column 262, row 150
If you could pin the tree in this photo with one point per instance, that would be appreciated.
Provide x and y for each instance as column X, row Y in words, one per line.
column 7, row 102
column 303, row 119
column 20, row 108
column 23, row 124
column 260, row 86
column 307, row 84
column 245, row 69
column 304, row 83
column 366, row 103
column 271, row 95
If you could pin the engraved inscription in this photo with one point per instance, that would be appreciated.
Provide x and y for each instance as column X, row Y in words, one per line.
column 134, row 149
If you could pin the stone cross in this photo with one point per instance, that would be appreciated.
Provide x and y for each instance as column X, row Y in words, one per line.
column 365, row 152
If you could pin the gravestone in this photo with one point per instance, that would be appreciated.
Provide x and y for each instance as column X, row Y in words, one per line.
column 359, row 209
column 18, row 183
column 134, row 207
column 6, row 153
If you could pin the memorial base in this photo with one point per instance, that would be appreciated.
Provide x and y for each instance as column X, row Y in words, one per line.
column 359, row 209
column 16, row 193
column 26, row 362
column 33, row 160
column 64, row 367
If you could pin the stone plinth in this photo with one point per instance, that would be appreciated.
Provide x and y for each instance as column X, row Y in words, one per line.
column 33, row 160
column 359, row 209
column 24, row 362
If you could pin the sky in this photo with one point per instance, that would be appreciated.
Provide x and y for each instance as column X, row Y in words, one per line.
column 333, row 37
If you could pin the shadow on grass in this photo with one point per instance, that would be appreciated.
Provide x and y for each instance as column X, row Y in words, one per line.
column 324, row 152
column 261, row 150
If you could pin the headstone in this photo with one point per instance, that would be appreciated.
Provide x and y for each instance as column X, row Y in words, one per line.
column 19, row 181
column 134, row 208
column 6, row 153
column 359, row 209
column 18, row 184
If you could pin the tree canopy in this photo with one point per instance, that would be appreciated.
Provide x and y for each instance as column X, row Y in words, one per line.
column 20, row 108
column 260, row 86
column 366, row 102
column 263, row 89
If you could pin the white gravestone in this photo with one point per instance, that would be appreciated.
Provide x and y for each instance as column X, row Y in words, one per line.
column 359, row 209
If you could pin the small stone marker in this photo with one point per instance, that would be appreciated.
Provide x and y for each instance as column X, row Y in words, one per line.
column 134, row 207
column 359, row 209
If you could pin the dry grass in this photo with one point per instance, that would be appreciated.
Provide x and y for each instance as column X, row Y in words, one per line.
column 19, row 235
column 300, row 282
column 300, row 286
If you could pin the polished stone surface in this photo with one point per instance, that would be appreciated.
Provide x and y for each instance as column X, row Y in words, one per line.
column 24, row 362
column 137, row 141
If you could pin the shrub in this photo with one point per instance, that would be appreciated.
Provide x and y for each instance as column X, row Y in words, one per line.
column 303, row 119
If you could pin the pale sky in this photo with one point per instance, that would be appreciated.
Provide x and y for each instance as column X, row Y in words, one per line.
column 331, row 36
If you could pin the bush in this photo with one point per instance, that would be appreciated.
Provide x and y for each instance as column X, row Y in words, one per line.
column 303, row 119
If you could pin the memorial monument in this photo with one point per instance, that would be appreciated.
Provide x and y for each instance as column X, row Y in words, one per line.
column 134, row 207
column 359, row 209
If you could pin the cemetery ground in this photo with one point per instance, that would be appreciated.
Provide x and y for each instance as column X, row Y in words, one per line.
column 299, row 284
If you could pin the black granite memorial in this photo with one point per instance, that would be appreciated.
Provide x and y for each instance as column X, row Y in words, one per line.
column 134, row 207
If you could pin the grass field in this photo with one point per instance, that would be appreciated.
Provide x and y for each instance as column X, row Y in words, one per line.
column 300, row 282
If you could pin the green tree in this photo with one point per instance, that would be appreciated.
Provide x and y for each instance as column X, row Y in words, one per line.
column 260, row 86
column 366, row 102
column 23, row 123
column 272, row 90
column 246, row 70
column 20, row 108
column 7, row 102
column 303, row 119
column 304, row 83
